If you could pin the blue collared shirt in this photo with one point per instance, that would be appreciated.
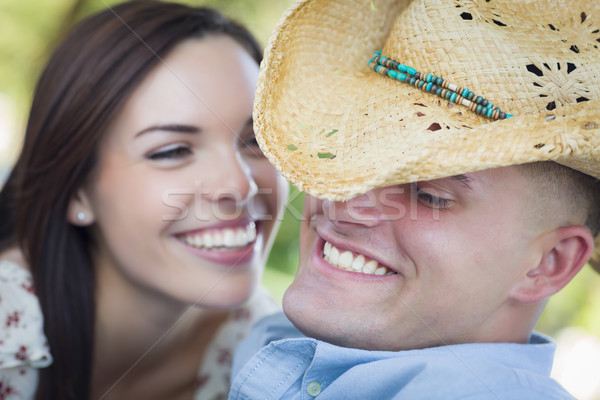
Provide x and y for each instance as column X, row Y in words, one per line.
column 303, row 368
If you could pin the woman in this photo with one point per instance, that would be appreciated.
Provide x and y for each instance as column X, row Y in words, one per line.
column 142, row 208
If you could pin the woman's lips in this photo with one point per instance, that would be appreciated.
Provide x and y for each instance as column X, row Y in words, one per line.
column 221, row 238
column 230, row 246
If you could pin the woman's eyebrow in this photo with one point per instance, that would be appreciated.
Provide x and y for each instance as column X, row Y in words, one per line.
column 170, row 128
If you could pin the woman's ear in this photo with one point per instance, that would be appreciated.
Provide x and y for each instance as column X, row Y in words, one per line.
column 79, row 211
column 564, row 252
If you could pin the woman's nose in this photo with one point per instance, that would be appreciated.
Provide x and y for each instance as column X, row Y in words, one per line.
column 232, row 181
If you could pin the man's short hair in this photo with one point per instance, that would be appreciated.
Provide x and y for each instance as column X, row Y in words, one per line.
column 575, row 191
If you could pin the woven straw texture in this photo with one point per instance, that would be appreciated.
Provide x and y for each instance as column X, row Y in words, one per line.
column 336, row 129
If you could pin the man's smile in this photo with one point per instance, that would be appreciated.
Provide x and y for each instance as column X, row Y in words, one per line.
column 354, row 262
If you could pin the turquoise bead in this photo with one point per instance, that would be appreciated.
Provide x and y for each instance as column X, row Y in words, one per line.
column 432, row 84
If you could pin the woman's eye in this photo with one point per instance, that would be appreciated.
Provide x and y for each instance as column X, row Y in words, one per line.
column 171, row 152
column 250, row 146
column 251, row 141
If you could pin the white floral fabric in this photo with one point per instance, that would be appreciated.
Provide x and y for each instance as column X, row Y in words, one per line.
column 214, row 375
column 23, row 345
column 24, row 348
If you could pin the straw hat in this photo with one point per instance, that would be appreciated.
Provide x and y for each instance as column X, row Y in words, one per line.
column 335, row 128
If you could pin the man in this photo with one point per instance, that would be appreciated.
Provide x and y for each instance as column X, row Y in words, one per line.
column 445, row 223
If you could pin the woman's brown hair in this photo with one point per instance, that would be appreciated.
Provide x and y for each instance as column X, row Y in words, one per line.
column 86, row 81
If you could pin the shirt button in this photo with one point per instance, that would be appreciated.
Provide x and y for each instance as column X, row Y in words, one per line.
column 313, row 389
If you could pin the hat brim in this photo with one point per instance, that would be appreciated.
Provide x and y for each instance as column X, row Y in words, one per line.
column 335, row 129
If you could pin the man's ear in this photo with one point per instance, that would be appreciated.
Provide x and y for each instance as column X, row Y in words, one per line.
column 564, row 252
column 79, row 211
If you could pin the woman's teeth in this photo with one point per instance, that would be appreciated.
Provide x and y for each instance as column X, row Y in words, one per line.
column 228, row 237
column 346, row 260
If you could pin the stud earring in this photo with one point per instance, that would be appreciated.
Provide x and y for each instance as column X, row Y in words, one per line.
column 80, row 216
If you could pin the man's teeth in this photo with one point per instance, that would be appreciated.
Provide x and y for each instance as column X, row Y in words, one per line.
column 348, row 261
column 228, row 237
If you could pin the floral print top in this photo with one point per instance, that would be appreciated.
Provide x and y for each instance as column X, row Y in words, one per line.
column 24, row 349
column 214, row 374
column 23, row 346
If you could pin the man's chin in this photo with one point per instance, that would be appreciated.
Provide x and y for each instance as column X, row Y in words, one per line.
column 303, row 312
column 319, row 321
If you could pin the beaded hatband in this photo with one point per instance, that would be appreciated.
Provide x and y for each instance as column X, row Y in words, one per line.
column 436, row 85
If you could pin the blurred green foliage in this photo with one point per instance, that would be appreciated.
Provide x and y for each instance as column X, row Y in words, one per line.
column 29, row 30
column 283, row 259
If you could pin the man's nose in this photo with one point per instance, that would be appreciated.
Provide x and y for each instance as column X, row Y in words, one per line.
column 363, row 210
column 232, row 182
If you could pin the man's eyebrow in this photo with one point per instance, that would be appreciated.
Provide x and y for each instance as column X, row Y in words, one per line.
column 464, row 180
column 170, row 128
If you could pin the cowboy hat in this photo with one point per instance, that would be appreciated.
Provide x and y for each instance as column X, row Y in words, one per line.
column 335, row 128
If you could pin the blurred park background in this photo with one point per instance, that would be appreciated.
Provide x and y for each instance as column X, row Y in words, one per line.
column 29, row 29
